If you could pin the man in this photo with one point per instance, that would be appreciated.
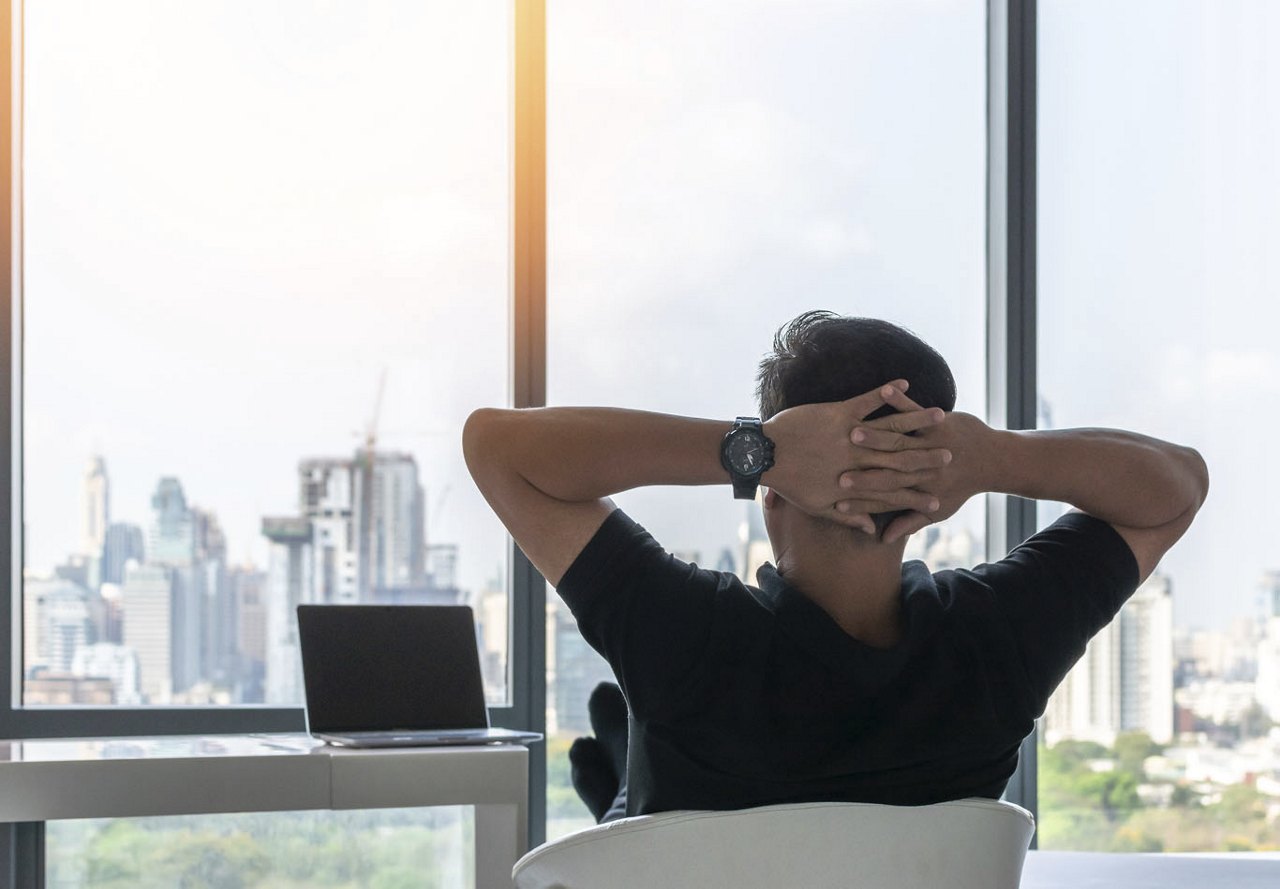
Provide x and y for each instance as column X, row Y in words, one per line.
column 846, row 674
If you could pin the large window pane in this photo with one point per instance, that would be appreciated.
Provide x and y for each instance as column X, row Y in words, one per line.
column 714, row 170
column 266, row 279
column 391, row 848
column 1159, row 186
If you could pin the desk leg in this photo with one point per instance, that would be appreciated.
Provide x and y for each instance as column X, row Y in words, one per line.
column 501, row 838
column 22, row 855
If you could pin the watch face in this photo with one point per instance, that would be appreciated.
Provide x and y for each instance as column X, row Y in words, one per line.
column 746, row 452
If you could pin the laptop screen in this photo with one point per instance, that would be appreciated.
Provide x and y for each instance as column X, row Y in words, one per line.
column 390, row 667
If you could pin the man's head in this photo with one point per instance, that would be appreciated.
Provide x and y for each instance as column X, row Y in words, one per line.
column 821, row 356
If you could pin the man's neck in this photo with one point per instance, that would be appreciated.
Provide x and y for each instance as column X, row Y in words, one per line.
column 858, row 585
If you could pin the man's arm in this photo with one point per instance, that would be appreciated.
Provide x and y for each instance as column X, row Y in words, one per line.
column 1149, row 490
column 548, row 472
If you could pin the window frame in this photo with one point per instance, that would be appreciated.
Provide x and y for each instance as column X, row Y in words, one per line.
column 1011, row 389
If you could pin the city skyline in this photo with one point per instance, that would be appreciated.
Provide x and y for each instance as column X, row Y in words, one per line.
column 228, row 350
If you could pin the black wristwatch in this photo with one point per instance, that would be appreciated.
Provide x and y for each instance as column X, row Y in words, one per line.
column 747, row 453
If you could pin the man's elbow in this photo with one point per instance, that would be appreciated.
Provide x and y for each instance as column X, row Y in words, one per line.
column 480, row 438
column 1199, row 472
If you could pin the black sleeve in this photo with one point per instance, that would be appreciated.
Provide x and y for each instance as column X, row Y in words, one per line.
column 648, row 613
column 1056, row 590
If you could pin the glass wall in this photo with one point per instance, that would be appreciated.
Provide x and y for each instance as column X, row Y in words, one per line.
column 266, row 279
column 1159, row 216
column 714, row 170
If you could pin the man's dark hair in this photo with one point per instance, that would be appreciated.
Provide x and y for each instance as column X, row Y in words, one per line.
column 821, row 356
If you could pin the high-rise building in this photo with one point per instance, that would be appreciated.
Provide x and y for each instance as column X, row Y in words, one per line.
column 289, row 584
column 63, row 624
column 123, row 543
column 147, row 600
column 1124, row 681
column 326, row 490
column 358, row 538
column 95, row 510
column 389, row 529
column 172, row 535
column 111, row 627
column 248, row 586
column 217, row 616
column 172, row 543
column 1146, row 666
column 117, row 663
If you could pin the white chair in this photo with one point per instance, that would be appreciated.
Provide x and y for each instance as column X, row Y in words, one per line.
column 965, row 844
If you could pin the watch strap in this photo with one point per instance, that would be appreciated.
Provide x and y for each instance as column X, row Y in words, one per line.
column 745, row 486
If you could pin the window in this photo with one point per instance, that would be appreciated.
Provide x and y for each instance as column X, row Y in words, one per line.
column 715, row 170
column 251, row 238
column 320, row 850
column 256, row 241
column 1159, row 183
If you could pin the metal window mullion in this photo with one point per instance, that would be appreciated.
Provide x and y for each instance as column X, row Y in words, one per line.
column 527, row 653
column 22, row 855
column 77, row 722
column 1011, row 278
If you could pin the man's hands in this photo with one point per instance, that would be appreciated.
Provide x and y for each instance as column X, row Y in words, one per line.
column 974, row 450
column 832, row 464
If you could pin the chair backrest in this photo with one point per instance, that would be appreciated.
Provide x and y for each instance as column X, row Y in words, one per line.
column 965, row 844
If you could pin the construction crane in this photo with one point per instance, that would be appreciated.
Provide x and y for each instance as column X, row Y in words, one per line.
column 365, row 460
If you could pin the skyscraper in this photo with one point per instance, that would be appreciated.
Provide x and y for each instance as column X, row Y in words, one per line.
column 217, row 616
column 147, row 597
column 1146, row 666
column 63, row 623
column 289, row 584
column 248, row 586
column 172, row 544
column 388, row 521
column 172, row 535
column 326, row 491
column 122, row 543
column 189, row 542
column 358, row 538
column 95, row 510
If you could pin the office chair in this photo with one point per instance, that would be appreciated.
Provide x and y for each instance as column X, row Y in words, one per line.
column 964, row 844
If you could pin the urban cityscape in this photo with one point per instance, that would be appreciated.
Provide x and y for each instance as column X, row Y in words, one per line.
column 1154, row 719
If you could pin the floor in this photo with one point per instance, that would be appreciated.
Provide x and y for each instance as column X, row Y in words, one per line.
column 1092, row 870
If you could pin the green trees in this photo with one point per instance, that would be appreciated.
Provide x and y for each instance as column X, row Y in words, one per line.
column 1090, row 799
column 390, row 849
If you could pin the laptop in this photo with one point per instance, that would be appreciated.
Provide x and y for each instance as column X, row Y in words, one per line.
column 395, row 676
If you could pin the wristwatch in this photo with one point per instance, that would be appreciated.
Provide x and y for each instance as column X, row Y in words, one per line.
column 747, row 453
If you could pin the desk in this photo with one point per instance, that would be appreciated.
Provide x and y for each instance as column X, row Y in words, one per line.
column 135, row 777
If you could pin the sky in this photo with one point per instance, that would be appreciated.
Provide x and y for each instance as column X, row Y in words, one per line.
column 237, row 216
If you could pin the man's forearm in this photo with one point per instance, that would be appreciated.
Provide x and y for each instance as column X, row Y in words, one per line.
column 577, row 454
column 1120, row 477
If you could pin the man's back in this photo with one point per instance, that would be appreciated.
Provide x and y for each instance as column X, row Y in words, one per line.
column 744, row 696
column 848, row 472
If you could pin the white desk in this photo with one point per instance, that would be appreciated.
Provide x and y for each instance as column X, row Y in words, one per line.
column 133, row 777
